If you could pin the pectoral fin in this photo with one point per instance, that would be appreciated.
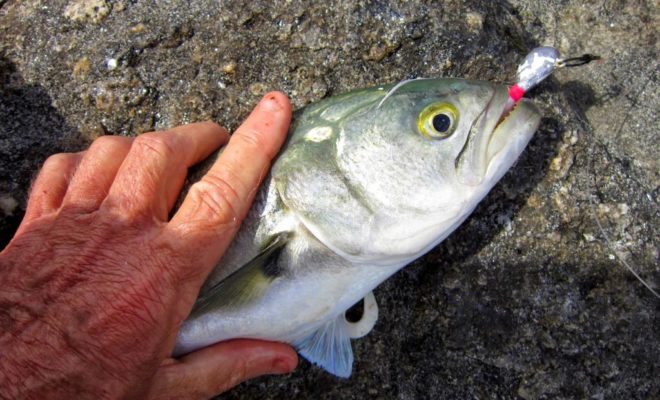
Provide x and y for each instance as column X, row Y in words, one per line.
column 329, row 348
column 246, row 284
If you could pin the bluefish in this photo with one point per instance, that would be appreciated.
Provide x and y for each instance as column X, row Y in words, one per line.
column 367, row 182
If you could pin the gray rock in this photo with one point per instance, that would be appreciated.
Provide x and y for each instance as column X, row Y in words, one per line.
column 527, row 299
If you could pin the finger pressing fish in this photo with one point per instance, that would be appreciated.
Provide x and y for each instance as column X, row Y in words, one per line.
column 367, row 182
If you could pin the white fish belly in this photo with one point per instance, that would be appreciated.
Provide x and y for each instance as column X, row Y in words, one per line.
column 291, row 309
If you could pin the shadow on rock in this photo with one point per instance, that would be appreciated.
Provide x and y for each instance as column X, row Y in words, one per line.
column 31, row 129
column 581, row 96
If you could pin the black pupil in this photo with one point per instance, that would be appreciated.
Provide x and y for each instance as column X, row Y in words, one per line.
column 441, row 122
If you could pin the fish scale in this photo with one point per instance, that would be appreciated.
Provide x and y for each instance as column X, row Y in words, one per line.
column 364, row 185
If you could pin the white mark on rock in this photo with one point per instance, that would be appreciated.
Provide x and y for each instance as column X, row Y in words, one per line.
column 111, row 63
column 8, row 204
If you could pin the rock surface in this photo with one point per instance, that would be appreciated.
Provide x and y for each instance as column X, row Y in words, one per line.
column 527, row 299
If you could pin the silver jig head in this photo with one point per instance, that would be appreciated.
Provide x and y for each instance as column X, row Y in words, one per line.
column 537, row 66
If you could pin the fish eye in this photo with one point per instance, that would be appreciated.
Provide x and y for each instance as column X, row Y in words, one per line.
column 441, row 122
column 438, row 120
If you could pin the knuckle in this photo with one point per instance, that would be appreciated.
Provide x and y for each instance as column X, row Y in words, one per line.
column 238, row 374
column 219, row 196
column 110, row 141
column 103, row 141
column 252, row 140
column 57, row 160
column 156, row 144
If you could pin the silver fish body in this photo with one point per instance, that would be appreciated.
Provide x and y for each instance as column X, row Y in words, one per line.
column 367, row 182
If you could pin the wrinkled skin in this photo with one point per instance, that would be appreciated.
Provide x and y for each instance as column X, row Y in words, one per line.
column 97, row 280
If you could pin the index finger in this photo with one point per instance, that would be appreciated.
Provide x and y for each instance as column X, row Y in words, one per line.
column 214, row 207
column 151, row 176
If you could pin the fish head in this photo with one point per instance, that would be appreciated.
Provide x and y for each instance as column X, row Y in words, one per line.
column 382, row 175
column 424, row 156
column 461, row 131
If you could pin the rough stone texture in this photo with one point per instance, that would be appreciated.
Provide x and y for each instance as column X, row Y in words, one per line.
column 527, row 299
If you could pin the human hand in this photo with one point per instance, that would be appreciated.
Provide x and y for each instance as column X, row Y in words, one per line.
column 97, row 280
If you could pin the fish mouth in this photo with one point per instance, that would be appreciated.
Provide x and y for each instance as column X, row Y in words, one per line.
column 497, row 138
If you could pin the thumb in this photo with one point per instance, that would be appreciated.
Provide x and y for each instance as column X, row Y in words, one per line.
column 215, row 369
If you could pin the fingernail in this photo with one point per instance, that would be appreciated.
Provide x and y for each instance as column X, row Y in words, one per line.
column 271, row 102
column 283, row 366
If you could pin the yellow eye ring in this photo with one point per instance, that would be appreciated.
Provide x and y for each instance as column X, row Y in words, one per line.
column 438, row 120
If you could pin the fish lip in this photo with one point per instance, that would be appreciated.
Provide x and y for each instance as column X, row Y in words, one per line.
column 472, row 162
column 514, row 129
column 496, row 138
